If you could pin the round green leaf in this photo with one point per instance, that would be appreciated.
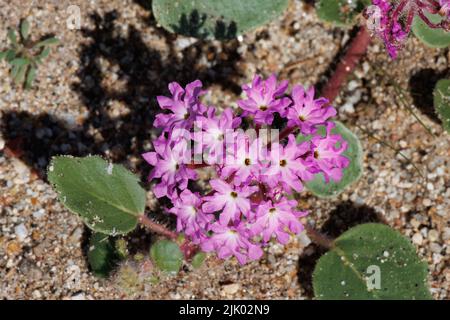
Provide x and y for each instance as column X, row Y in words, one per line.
column 352, row 173
column 435, row 38
column 167, row 256
column 340, row 12
column 198, row 260
column 371, row 261
column 107, row 197
column 102, row 255
column 442, row 102
column 215, row 19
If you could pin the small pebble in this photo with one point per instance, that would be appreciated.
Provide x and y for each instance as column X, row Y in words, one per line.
column 37, row 294
column 78, row 296
column 417, row 238
column 231, row 288
column 21, row 232
column 446, row 234
column 436, row 248
column 433, row 235
column 38, row 214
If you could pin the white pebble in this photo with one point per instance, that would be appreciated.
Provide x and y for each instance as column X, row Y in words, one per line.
column 78, row 296
column 352, row 85
column 348, row 108
column 433, row 235
column 21, row 232
column 304, row 239
column 417, row 238
column 231, row 288
column 446, row 234
column 38, row 214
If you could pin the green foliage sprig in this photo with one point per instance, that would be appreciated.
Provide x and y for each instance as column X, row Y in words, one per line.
column 24, row 55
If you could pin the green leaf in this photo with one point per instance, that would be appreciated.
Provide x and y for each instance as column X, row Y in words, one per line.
column 47, row 42
column 25, row 29
column 20, row 62
column 198, row 260
column 442, row 102
column 167, row 256
column 21, row 72
column 12, row 36
column 30, row 77
column 215, row 19
column 10, row 55
column 3, row 55
column 340, row 12
column 19, row 69
column 102, row 256
column 365, row 254
column 44, row 54
column 107, row 197
column 352, row 173
column 435, row 38
column 14, row 71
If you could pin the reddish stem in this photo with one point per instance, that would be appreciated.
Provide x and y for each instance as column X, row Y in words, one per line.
column 286, row 132
column 188, row 248
column 355, row 52
column 318, row 237
column 197, row 166
column 157, row 228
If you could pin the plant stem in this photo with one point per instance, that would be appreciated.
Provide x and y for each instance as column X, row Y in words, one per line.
column 197, row 166
column 157, row 228
column 188, row 248
column 347, row 64
column 318, row 237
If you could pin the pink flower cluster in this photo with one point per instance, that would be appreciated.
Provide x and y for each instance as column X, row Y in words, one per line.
column 247, row 205
column 391, row 20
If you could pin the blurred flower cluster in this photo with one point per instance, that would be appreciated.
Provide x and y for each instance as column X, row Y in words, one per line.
column 391, row 20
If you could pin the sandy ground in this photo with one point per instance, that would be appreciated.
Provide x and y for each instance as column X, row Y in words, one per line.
column 96, row 95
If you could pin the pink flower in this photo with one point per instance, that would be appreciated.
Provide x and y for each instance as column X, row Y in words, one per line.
column 274, row 219
column 183, row 104
column 245, row 162
column 230, row 241
column 307, row 112
column 328, row 154
column 264, row 98
column 445, row 8
column 215, row 129
column 190, row 218
column 288, row 166
column 231, row 200
column 169, row 165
